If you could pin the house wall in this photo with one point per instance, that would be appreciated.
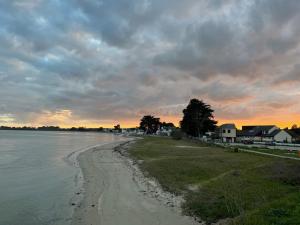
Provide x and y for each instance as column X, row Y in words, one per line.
column 245, row 138
column 256, row 138
column 232, row 133
column 267, row 139
column 283, row 136
column 229, row 135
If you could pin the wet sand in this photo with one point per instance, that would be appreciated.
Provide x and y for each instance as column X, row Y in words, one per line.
column 113, row 196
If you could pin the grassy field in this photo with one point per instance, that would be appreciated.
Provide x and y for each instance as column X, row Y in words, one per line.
column 219, row 183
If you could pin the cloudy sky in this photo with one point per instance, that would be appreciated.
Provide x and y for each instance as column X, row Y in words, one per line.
column 102, row 62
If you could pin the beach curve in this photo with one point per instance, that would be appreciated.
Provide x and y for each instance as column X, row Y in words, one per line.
column 112, row 197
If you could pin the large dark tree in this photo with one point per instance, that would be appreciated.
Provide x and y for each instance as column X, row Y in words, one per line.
column 149, row 124
column 197, row 118
column 118, row 128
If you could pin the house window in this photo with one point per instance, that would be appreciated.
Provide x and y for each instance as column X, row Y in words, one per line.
column 224, row 131
column 229, row 131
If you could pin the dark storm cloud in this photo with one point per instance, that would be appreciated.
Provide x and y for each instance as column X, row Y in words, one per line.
column 233, row 45
column 119, row 58
column 207, row 49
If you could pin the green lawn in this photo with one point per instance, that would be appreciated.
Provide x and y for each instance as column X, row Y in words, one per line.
column 219, row 183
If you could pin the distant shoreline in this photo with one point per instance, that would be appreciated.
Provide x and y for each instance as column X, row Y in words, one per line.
column 58, row 129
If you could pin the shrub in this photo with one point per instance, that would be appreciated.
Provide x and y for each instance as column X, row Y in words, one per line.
column 177, row 134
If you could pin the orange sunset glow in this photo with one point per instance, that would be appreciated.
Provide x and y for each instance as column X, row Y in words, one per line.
column 64, row 119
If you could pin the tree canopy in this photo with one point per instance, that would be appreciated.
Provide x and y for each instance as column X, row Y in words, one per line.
column 117, row 127
column 167, row 125
column 150, row 124
column 198, row 118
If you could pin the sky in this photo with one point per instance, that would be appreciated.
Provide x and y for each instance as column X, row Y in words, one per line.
column 101, row 62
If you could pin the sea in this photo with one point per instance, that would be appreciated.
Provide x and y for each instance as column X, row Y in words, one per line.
column 39, row 175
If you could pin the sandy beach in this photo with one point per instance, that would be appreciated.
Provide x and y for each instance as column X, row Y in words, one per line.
column 114, row 194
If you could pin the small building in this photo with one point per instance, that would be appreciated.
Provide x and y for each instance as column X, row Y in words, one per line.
column 227, row 133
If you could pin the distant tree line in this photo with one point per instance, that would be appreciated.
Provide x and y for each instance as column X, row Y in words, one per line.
column 54, row 128
column 197, row 119
column 17, row 128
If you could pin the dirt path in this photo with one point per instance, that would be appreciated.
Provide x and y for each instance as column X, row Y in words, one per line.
column 269, row 154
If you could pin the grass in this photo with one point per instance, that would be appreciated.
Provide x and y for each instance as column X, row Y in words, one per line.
column 219, row 183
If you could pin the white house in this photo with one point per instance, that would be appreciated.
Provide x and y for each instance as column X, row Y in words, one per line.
column 278, row 136
column 267, row 133
column 227, row 133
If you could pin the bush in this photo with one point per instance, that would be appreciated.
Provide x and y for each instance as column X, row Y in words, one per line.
column 236, row 149
column 177, row 134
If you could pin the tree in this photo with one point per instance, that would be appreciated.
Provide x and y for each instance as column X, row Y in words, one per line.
column 294, row 127
column 176, row 134
column 117, row 128
column 198, row 118
column 82, row 129
column 149, row 124
column 167, row 125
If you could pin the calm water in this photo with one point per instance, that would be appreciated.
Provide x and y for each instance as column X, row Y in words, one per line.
column 37, row 176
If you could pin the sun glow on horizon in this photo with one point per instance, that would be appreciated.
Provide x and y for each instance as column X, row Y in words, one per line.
column 63, row 119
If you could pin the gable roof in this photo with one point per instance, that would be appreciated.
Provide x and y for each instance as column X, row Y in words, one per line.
column 273, row 133
column 228, row 126
column 262, row 127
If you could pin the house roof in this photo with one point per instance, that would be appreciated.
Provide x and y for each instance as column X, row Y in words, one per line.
column 228, row 126
column 273, row 134
column 262, row 127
